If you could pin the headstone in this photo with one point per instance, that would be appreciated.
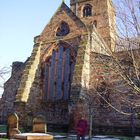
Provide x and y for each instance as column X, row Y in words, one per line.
column 12, row 125
column 137, row 138
column 39, row 124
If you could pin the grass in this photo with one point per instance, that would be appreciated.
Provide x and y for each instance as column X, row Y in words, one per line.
column 121, row 138
column 124, row 138
column 3, row 128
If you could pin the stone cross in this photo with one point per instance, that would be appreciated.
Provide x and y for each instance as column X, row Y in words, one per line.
column 39, row 124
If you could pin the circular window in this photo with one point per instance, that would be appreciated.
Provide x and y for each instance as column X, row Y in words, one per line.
column 63, row 29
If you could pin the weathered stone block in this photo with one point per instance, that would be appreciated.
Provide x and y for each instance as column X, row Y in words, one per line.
column 12, row 125
column 39, row 124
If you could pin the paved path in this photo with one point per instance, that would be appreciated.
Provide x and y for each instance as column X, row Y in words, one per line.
column 73, row 137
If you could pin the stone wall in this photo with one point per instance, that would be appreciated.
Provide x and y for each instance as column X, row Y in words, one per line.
column 103, row 13
column 29, row 74
column 63, row 13
column 10, row 91
column 28, row 96
column 110, row 98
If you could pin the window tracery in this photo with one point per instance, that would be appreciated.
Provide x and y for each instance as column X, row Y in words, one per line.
column 58, row 73
column 63, row 29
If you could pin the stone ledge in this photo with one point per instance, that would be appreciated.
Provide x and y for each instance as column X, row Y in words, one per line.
column 33, row 136
column 3, row 135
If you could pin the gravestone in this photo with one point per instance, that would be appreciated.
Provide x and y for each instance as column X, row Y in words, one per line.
column 137, row 138
column 12, row 125
column 39, row 124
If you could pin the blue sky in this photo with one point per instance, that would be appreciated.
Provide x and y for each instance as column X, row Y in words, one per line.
column 20, row 21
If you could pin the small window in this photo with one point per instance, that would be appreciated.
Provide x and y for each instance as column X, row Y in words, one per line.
column 63, row 29
column 95, row 23
column 87, row 11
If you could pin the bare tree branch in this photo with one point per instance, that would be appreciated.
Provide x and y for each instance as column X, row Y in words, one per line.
column 3, row 72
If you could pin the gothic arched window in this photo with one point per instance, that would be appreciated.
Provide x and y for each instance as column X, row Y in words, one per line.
column 58, row 71
column 87, row 11
column 63, row 29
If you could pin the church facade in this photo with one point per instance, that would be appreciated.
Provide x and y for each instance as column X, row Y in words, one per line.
column 52, row 80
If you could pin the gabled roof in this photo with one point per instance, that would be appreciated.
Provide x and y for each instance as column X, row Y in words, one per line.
column 63, row 13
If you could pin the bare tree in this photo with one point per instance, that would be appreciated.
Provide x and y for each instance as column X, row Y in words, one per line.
column 88, row 99
column 3, row 72
column 126, row 57
column 124, row 63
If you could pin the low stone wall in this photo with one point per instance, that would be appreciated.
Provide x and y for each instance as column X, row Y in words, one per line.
column 114, row 130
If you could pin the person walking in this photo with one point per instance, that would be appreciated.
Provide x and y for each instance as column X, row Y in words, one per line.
column 81, row 129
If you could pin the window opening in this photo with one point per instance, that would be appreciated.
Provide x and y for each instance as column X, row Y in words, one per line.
column 87, row 11
column 58, row 74
column 63, row 29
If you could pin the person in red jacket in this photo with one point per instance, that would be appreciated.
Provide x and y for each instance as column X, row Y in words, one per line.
column 81, row 128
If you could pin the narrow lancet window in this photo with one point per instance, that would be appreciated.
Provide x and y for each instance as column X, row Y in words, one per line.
column 58, row 73
column 87, row 11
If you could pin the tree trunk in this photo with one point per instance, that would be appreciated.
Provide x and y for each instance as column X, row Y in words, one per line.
column 90, row 126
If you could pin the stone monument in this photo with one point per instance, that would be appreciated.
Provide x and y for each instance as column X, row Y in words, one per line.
column 12, row 125
column 39, row 124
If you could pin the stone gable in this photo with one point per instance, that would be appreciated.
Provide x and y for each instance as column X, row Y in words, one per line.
column 65, row 14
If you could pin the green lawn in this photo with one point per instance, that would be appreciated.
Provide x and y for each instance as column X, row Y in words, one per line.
column 121, row 138
column 3, row 128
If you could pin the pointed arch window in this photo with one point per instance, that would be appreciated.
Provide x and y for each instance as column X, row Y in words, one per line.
column 58, row 72
column 63, row 29
column 87, row 10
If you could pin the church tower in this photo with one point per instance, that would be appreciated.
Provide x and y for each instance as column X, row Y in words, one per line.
column 100, row 13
